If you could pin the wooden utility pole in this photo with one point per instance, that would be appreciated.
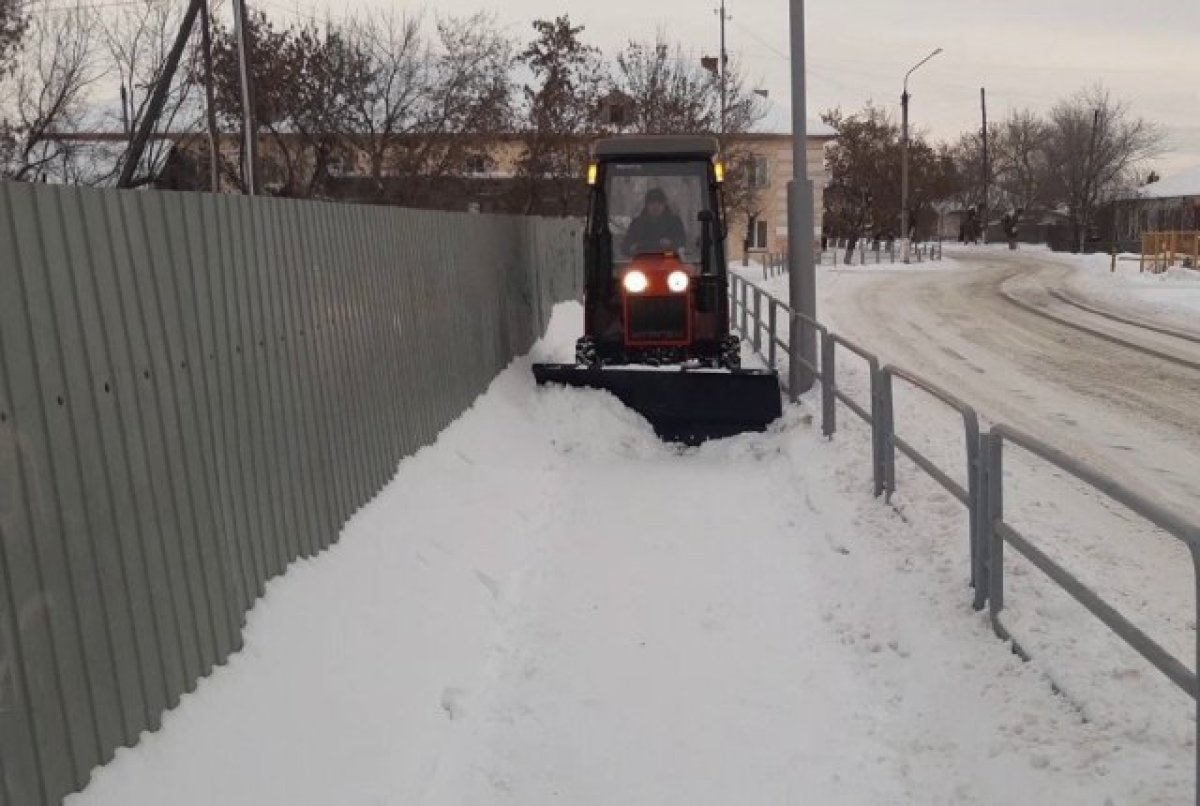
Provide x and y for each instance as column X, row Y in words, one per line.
column 133, row 155
column 724, row 66
column 249, row 125
column 987, row 169
column 214, row 137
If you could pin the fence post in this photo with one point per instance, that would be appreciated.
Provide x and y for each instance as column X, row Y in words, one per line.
column 828, row 384
column 887, row 433
column 757, row 320
column 877, row 427
column 994, row 509
column 771, row 313
column 977, row 493
column 745, row 307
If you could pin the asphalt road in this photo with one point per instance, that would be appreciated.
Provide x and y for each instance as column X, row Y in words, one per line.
column 1122, row 397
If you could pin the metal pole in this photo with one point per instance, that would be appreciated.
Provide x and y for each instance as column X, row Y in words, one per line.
column 724, row 67
column 904, row 217
column 249, row 128
column 802, row 282
column 904, row 168
column 214, row 138
column 987, row 173
column 133, row 155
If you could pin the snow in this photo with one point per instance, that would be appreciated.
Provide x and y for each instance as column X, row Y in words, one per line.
column 1172, row 296
column 1183, row 184
column 550, row 606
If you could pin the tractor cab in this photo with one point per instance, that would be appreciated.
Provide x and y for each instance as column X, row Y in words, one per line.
column 656, row 294
column 655, row 254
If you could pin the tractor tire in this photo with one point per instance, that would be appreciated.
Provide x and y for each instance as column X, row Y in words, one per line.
column 731, row 353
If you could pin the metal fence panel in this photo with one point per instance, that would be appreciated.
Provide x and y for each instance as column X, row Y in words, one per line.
column 194, row 391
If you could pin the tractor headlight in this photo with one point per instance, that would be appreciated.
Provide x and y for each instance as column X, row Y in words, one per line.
column 678, row 281
column 636, row 282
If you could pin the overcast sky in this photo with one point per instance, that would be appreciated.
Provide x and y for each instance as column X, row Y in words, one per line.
column 1027, row 53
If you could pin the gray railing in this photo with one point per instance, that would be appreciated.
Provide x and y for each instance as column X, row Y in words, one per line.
column 983, row 492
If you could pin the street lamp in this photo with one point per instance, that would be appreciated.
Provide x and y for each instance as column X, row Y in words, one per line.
column 802, row 288
column 904, row 231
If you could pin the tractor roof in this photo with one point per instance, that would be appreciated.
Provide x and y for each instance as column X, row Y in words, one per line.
column 653, row 145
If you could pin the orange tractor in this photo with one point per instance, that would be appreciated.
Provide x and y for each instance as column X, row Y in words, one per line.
column 656, row 307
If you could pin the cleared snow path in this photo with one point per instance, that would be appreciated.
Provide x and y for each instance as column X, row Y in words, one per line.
column 550, row 606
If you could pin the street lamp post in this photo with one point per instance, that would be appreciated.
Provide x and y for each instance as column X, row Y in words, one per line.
column 904, row 230
column 802, row 289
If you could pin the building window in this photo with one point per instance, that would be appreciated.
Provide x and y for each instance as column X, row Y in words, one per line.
column 756, row 171
column 477, row 164
column 758, row 239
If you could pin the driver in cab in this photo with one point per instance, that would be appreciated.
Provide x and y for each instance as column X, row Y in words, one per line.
column 656, row 228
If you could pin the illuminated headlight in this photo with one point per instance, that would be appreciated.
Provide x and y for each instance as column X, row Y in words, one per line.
column 636, row 282
column 678, row 281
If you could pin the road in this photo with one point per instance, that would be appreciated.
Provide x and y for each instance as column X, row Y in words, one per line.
column 1130, row 412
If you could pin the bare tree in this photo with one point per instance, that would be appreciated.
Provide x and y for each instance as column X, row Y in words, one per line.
column 138, row 40
column 1019, row 160
column 390, row 108
column 54, row 73
column 1094, row 147
column 13, row 23
column 668, row 93
column 564, row 109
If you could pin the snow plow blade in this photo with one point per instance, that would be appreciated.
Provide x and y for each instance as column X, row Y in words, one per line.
column 688, row 406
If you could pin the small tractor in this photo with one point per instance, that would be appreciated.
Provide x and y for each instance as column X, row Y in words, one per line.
column 656, row 295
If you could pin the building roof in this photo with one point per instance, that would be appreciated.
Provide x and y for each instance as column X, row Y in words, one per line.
column 1180, row 185
column 656, row 145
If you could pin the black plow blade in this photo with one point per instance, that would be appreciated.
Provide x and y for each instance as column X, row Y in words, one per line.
column 688, row 406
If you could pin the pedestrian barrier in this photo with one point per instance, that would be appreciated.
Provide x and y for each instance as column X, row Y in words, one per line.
column 983, row 493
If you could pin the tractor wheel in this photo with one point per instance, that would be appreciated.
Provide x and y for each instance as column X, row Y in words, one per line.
column 731, row 353
column 585, row 352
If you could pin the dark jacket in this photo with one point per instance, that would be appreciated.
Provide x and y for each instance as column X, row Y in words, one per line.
column 647, row 232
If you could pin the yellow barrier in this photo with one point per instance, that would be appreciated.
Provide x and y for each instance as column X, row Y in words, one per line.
column 1161, row 250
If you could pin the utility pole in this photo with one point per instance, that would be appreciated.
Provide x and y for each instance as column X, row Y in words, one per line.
column 1088, row 189
column 802, row 290
column 214, row 141
column 133, row 154
column 725, row 17
column 987, row 168
column 249, row 126
column 905, row 230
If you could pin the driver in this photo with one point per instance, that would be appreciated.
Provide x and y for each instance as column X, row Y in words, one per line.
column 656, row 229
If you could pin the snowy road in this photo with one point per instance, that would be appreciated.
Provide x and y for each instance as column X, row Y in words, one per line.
column 1130, row 413
column 550, row 606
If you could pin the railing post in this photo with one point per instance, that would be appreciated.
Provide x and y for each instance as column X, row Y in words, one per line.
column 887, row 433
column 757, row 320
column 745, row 307
column 828, row 385
column 877, row 427
column 977, row 494
column 994, row 544
column 771, row 313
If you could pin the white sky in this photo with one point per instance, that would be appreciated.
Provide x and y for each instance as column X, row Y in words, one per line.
column 1027, row 53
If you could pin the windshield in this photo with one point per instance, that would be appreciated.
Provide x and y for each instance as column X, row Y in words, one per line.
column 655, row 207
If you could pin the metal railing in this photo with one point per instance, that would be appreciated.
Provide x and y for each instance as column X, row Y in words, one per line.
column 983, row 492
column 866, row 252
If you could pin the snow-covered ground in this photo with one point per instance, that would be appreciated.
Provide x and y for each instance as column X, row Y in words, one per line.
column 1169, row 297
column 550, row 606
column 1122, row 411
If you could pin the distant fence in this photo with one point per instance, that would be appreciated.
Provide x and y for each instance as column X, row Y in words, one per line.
column 196, row 390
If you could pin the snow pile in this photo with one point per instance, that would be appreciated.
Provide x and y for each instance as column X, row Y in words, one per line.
column 1171, row 297
column 550, row 606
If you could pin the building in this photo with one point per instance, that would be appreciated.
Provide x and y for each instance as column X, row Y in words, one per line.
column 1168, row 205
column 487, row 180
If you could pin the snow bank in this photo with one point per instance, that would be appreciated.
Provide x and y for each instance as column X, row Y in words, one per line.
column 550, row 606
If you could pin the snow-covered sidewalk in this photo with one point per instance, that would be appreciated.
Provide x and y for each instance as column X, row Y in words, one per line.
column 550, row 606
